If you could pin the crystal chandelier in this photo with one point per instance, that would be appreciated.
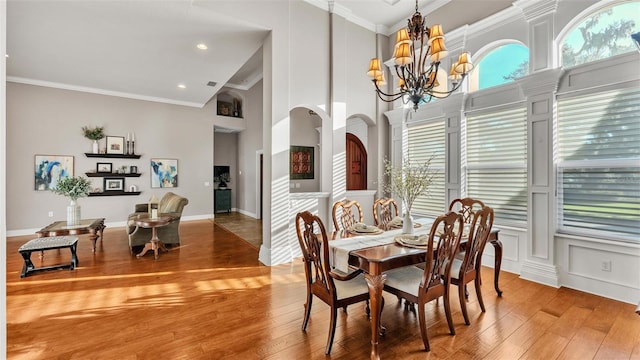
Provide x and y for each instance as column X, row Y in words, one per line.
column 417, row 55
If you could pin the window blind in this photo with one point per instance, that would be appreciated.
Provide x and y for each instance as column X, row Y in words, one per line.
column 495, row 163
column 424, row 142
column 598, row 168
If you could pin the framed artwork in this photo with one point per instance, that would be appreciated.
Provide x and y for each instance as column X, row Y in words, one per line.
column 301, row 162
column 104, row 167
column 115, row 144
column 164, row 173
column 225, row 108
column 51, row 168
column 114, row 184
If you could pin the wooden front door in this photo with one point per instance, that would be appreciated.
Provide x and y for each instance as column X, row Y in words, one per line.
column 356, row 164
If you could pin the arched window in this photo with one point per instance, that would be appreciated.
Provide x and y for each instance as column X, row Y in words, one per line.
column 501, row 65
column 601, row 35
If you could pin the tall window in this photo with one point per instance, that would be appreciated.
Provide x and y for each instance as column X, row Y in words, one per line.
column 425, row 141
column 602, row 35
column 495, row 163
column 503, row 64
column 598, row 142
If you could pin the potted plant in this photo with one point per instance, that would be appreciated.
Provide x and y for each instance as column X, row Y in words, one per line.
column 73, row 188
column 409, row 182
column 94, row 134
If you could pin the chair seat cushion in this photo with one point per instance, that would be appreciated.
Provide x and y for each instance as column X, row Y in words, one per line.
column 406, row 279
column 350, row 288
column 455, row 268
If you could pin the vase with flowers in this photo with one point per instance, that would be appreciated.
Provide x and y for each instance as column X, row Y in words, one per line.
column 409, row 181
column 95, row 134
column 73, row 188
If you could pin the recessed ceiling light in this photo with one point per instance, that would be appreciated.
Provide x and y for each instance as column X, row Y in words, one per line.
column 202, row 46
column 182, row 86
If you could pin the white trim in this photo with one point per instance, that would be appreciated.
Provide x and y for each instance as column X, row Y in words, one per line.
column 258, row 185
column 55, row 85
column 540, row 273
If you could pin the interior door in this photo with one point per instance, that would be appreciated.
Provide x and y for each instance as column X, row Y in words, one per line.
column 356, row 164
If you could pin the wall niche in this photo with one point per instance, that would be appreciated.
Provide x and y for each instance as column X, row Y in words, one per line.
column 229, row 104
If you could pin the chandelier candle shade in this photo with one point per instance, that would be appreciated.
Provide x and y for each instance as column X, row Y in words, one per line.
column 418, row 52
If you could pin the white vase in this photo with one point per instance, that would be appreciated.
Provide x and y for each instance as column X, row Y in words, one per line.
column 73, row 213
column 96, row 147
column 407, row 223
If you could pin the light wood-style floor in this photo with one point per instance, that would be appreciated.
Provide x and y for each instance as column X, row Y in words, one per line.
column 211, row 299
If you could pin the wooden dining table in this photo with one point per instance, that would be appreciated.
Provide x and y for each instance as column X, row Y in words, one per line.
column 376, row 260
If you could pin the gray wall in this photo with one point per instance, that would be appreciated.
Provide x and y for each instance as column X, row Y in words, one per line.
column 49, row 121
column 249, row 142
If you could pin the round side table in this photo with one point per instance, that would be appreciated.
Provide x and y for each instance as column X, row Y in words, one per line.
column 154, row 244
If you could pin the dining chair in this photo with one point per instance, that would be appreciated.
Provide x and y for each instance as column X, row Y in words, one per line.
column 347, row 217
column 466, row 207
column 468, row 269
column 384, row 210
column 421, row 286
column 338, row 290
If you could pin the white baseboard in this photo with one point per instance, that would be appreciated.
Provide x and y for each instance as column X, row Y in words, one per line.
column 540, row 273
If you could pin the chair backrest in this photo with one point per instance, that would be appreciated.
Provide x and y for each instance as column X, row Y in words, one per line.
column 384, row 210
column 172, row 203
column 478, row 235
column 466, row 207
column 444, row 239
column 346, row 219
column 312, row 237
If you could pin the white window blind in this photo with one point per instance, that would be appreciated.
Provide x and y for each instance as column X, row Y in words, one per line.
column 495, row 163
column 598, row 142
column 425, row 141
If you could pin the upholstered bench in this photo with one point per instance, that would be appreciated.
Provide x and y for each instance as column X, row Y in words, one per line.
column 48, row 243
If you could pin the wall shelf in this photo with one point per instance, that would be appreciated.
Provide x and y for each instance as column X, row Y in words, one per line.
column 113, row 156
column 110, row 175
column 114, row 193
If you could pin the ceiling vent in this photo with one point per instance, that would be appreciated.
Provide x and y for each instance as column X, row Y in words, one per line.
column 212, row 83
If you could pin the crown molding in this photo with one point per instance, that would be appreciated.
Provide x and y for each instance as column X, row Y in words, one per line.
column 55, row 85
column 248, row 83
column 533, row 9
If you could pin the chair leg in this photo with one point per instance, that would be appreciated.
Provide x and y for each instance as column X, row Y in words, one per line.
column 447, row 311
column 344, row 308
column 307, row 311
column 462, row 289
column 332, row 329
column 479, row 293
column 423, row 327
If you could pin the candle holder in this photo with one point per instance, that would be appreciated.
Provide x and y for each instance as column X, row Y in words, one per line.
column 133, row 147
column 128, row 148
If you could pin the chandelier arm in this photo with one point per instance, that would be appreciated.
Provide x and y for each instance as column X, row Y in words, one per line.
column 380, row 92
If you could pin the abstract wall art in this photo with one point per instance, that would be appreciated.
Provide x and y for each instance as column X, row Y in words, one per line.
column 164, row 173
column 51, row 168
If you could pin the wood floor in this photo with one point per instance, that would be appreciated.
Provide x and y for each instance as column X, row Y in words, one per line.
column 211, row 299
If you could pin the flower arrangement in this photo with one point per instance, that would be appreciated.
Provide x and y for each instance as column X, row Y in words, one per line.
column 72, row 187
column 409, row 181
column 96, row 133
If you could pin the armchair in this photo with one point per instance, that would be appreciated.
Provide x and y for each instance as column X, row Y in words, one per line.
column 170, row 204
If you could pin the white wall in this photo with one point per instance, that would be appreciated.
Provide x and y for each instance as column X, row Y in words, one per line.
column 48, row 121
column 249, row 142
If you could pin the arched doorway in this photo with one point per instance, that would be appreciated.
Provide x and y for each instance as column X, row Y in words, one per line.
column 356, row 163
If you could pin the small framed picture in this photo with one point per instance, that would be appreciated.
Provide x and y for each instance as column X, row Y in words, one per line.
column 104, row 167
column 115, row 144
column 114, row 184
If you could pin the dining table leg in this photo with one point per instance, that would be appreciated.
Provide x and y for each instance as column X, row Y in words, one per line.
column 375, row 284
column 497, row 245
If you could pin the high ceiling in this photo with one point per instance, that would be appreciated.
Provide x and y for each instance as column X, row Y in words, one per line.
column 145, row 49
